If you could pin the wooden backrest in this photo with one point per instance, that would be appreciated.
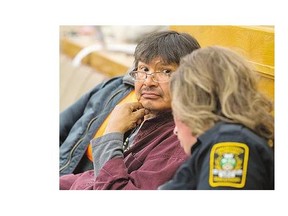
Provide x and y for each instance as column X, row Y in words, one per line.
column 255, row 42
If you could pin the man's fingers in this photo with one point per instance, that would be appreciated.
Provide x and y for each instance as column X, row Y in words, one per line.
column 138, row 114
column 135, row 106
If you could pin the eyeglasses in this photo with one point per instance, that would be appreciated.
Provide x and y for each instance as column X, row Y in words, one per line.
column 159, row 77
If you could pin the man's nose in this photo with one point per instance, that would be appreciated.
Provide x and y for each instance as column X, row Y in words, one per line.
column 149, row 80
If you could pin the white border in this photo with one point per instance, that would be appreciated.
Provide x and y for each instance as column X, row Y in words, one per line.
column 30, row 48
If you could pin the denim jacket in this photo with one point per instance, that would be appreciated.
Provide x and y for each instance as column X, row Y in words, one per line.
column 80, row 121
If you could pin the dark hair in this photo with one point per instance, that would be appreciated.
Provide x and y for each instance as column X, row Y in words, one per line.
column 170, row 46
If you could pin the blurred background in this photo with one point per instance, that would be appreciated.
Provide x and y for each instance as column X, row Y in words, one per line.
column 91, row 54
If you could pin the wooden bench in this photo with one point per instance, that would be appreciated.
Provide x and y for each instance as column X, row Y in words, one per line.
column 255, row 42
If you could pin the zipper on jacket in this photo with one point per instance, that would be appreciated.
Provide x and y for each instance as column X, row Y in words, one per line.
column 112, row 97
column 77, row 144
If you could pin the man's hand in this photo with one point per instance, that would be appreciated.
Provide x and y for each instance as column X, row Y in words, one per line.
column 125, row 117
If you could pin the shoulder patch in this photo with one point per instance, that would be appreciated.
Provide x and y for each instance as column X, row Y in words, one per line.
column 228, row 164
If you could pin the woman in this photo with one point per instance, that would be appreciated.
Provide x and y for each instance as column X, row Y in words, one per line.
column 223, row 122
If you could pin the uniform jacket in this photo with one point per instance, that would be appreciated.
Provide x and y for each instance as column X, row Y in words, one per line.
column 80, row 122
column 152, row 160
column 228, row 156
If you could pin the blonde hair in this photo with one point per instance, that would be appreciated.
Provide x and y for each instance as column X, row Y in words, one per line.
column 215, row 83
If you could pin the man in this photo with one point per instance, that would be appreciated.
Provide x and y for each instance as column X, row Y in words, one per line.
column 138, row 149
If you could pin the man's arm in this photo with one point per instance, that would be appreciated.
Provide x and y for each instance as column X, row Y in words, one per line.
column 145, row 170
column 123, row 118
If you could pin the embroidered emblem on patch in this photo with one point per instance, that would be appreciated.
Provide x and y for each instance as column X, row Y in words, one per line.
column 228, row 164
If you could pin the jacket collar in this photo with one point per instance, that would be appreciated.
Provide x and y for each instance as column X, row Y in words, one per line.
column 127, row 79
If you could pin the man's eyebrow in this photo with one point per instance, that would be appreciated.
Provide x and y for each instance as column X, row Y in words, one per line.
column 167, row 66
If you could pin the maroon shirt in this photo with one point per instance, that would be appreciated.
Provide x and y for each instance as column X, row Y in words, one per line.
column 152, row 160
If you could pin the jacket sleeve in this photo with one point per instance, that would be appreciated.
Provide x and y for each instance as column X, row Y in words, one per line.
column 158, row 167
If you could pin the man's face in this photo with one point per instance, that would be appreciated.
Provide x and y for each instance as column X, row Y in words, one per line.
column 152, row 95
